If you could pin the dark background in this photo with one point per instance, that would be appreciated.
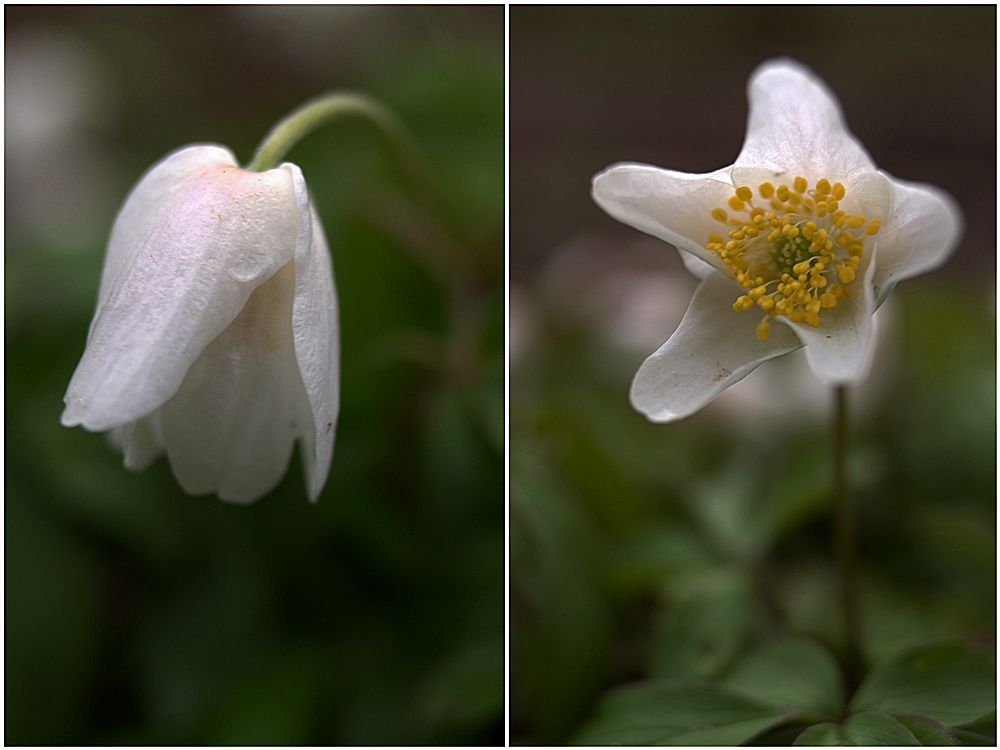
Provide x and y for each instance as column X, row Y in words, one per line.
column 667, row 551
column 138, row 615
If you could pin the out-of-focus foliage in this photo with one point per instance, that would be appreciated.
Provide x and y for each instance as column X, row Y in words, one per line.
column 676, row 583
column 138, row 615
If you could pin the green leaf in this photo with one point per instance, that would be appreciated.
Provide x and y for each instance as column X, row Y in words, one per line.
column 646, row 558
column 826, row 733
column 874, row 728
column 793, row 672
column 986, row 724
column 926, row 730
column 559, row 616
column 677, row 713
column 712, row 615
column 966, row 738
column 275, row 707
column 466, row 689
column 946, row 681
column 981, row 732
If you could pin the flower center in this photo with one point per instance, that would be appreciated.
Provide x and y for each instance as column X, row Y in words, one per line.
column 789, row 256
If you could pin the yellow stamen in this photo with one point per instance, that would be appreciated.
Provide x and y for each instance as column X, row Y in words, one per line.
column 791, row 247
column 817, row 281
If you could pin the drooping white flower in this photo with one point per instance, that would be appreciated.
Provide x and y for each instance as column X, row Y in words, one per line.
column 216, row 335
column 803, row 231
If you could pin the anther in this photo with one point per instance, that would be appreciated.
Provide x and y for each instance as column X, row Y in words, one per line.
column 763, row 330
column 800, row 184
column 719, row 214
column 873, row 226
column 736, row 204
column 766, row 190
column 744, row 193
column 838, row 191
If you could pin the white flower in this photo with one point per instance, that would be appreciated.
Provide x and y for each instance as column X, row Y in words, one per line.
column 216, row 335
column 803, row 229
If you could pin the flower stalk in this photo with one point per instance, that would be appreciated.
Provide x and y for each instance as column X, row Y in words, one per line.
column 333, row 106
column 844, row 543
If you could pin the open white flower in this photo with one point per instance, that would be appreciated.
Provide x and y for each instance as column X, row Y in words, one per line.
column 803, row 230
column 216, row 335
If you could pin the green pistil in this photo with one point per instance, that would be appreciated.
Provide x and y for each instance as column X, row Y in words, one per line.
column 787, row 252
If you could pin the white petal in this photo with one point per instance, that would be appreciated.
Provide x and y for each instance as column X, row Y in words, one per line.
column 921, row 233
column 795, row 127
column 696, row 266
column 674, row 206
column 195, row 237
column 231, row 426
column 316, row 332
column 840, row 350
column 141, row 442
column 713, row 347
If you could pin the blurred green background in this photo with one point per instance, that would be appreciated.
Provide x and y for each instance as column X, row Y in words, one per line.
column 138, row 615
column 643, row 551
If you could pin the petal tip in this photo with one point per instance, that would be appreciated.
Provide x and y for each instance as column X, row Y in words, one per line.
column 783, row 65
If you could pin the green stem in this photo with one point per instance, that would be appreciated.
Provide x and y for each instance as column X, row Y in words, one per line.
column 333, row 106
column 844, row 542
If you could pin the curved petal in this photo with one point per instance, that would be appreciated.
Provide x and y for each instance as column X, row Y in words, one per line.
column 673, row 206
column 316, row 332
column 795, row 126
column 713, row 347
column 696, row 266
column 921, row 233
column 141, row 442
column 194, row 239
column 145, row 198
column 841, row 349
column 231, row 426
